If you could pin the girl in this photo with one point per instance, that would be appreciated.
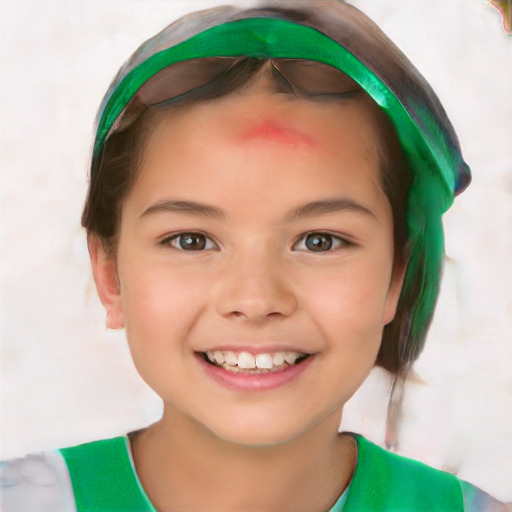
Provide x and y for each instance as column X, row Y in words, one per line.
column 263, row 219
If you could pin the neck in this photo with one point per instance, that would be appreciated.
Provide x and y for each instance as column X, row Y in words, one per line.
column 182, row 466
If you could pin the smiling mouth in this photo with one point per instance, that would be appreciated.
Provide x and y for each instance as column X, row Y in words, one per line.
column 245, row 362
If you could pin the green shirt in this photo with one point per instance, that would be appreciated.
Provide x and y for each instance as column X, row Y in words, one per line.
column 101, row 477
column 104, row 479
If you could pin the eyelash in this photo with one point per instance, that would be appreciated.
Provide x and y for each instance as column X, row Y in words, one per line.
column 175, row 239
column 337, row 242
column 334, row 242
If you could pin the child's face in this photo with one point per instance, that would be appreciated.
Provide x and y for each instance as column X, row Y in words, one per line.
column 255, row 176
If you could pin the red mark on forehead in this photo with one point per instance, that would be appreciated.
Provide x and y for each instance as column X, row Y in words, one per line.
column 279, row 134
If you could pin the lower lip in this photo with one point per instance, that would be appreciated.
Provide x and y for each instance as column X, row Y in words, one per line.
column 254, row 381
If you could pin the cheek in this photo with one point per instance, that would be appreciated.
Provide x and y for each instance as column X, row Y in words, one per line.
column 161, row 307
column 161, row 302
column 349, row 311
column 350, row 304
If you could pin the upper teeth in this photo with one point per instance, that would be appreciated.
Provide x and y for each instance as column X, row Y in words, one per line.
column 246, row 360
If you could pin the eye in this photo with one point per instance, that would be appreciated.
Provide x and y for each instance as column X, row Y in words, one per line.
column 190, row 242
column 320, row 242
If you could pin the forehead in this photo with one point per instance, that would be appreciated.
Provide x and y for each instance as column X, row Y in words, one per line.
column 297, row 146
column 281, row 120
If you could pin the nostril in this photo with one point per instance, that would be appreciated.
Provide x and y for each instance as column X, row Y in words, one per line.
column 253, row 315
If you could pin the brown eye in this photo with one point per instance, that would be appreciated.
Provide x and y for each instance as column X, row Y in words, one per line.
column 190, row 242
column 318, row 242
column 321, row 242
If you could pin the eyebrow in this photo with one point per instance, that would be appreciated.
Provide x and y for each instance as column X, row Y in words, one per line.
column 312, row 209
column 326, row 206
column 191, row 207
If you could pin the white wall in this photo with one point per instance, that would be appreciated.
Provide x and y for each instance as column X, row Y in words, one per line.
column 65, row 379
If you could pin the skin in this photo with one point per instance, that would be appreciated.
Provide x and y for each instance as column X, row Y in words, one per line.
column 278, row 133
column 256, row 286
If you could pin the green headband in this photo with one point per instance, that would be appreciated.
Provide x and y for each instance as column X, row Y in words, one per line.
column 426, row 135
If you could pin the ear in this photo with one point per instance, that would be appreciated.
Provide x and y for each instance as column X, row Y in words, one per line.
column 394, row 291
column 104, row 270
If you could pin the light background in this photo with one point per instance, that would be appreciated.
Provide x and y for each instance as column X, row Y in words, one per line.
column 66, row 379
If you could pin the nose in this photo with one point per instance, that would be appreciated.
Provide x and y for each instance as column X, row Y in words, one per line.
column 255, row 288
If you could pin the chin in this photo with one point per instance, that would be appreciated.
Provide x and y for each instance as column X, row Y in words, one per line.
column 262, row 431
column 252, row 438
column 252, row 430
